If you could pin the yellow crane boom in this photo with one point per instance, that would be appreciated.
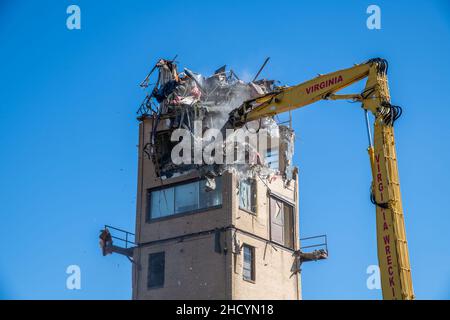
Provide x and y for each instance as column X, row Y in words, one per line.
column 393, row 255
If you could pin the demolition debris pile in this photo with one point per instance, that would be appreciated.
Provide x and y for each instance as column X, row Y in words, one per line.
column 181, row 100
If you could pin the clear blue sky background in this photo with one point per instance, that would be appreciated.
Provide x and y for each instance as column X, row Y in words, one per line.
column 68, row 133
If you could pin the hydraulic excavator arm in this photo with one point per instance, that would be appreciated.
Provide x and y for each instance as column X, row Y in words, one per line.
column 393, row 256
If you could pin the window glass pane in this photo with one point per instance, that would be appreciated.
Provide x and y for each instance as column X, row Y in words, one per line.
column 162, row 203
column 244, row 195
column 272, row 158
column 247, row 195
column 276, row 211
column 277, row 233
column 248, row 273
column 210, row 198
column 247, row 253
column 184, row 198
column 187, row 197
column 282, row 222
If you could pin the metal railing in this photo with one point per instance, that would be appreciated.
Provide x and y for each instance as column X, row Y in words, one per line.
column 124, row 236
column 317, row 242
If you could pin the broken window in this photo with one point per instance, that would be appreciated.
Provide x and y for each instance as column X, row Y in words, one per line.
column 183, row 198
column 164, row 147
column 249, row 263
column 247, row 195
column 208, row 197
column 187, row 197
column 156, row 266
column 281, row 222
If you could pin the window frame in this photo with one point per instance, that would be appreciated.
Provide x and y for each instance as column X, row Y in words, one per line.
column 292, row 221
column 158, row 285
column 252, row 263
column 148, row 217
column 254, row 183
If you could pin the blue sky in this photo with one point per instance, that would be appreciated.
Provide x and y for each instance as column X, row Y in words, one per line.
column 68, row 133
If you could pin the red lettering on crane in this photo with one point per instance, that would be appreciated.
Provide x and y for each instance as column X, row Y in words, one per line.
column 324, row 84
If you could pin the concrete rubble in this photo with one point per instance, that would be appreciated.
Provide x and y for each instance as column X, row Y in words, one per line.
column 180, row 100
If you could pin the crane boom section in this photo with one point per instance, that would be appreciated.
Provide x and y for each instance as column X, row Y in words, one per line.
column 393, row 257
column 295, row 97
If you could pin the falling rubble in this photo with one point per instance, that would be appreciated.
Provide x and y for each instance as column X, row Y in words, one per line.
column 178, row 100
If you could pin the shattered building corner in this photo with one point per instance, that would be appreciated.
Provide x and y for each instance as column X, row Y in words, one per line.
column 182, row 100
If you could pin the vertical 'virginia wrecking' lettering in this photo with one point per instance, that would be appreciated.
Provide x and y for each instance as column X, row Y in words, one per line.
column 386, row 238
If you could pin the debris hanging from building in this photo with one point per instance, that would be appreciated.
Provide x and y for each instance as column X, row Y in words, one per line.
column 190, row 101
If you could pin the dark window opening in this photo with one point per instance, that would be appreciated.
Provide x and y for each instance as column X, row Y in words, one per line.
column 163, row 148
column 156, row 266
